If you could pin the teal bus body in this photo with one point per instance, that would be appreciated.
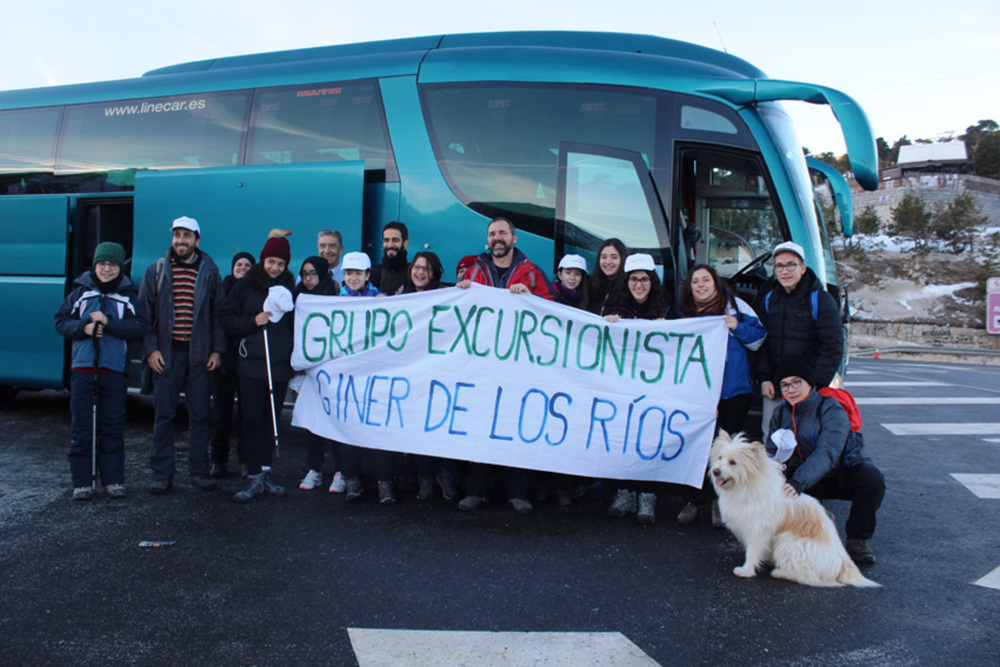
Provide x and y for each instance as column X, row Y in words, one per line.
column 679, row 150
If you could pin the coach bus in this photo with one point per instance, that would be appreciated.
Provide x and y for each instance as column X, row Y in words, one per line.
column 681, row 151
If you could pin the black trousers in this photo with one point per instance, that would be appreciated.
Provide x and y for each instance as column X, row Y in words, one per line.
column 864, row 486
column 258, row 430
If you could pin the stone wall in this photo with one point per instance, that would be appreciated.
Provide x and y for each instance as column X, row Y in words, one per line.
column 866, row 334
column 932, row 188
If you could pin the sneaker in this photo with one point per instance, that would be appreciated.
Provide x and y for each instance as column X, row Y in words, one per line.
column 717, row 521
column 253, row 487
column 271, row 488
column 83, row 493
column 312, row 479
column 337, row 485
column 647, row 509
column 688, row 515
column 218, row 471
column 859, row 551
column 385, row 494
column 160, row 486
column 521, row 505
column 623, row 504
column 204, row 482
column 352, row 486
column 425, row 488
column 469, row 503
column 446, row 480
column 115, row 490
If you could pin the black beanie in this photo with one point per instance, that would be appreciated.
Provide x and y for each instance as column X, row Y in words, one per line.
column 794, row 367
column 242, row 255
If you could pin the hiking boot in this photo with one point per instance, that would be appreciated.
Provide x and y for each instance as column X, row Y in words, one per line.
column 717, row 521
column 647, row 509
column 425, row 488
column 160, row 486
column 385, row 494
column 469, row 503
column 859, row 551
column 623, row 504
column 312, row 479
column 688, row 515
column 337, row 485
column 521, row 505
column 115, row 490
column 204, row 482
column 446, row 480
column 83, row 493
column 353, row 489
column 253, row 487
column 271, row 488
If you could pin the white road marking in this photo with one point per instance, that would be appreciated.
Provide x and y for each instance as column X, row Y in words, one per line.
column 927, row 400
column 989, row 428
column 880, row 383
column 984, row 486
column 991, row 580
column 406, row 648
column 857, row 371
column 991, row 439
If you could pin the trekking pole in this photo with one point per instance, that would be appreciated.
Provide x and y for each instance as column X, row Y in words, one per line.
column 93, row 431
column 270, row 391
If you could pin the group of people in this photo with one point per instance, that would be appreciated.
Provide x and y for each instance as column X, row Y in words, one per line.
column 204, row 334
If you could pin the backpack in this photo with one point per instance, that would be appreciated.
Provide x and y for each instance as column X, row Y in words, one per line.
column 847, row 402
column 813, row 297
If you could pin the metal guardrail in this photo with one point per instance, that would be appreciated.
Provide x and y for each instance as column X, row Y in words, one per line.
column 925, row 349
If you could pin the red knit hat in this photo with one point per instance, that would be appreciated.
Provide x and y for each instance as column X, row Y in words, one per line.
column 277, row 246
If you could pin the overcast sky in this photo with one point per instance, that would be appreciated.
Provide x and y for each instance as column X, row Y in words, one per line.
column 921, row 68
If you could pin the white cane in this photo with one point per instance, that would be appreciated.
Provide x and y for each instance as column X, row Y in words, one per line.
column 270, row 391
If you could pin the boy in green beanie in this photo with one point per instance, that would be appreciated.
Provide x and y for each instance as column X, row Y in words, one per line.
column 100, row 315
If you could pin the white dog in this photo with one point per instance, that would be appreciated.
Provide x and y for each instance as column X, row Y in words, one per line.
column 796, row 535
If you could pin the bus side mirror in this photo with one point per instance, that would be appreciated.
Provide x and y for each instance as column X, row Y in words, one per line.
column 841, row 193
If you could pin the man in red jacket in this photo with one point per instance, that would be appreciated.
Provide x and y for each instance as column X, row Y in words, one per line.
column 505, row 266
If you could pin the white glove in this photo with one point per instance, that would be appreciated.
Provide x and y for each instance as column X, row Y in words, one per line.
column 278, row 302
column 784, row 440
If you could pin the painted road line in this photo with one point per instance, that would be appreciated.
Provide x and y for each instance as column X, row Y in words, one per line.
column 927, row 400
column 991, row 439
column 857, row 371
column 991, row 580
column 984, row 486
column 880, row 383
column 406, row 648
column 950, row 428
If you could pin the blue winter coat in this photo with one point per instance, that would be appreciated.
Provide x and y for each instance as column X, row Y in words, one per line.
column 749, row 334
column 125, row 322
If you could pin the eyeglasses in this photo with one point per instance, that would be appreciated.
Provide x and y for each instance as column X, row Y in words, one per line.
column 792, row 384
column 308, row 274
column 419, row 268
column 791, row 266
column 636, row 280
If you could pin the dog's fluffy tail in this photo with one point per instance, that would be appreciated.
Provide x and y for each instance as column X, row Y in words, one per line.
column 850, row 575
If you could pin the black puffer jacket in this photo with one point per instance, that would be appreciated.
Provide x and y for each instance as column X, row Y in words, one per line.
column 792, row 330
column 237, row 313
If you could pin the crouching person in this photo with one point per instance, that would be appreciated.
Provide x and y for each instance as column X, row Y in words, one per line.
column 100, row 315
column 823, row 457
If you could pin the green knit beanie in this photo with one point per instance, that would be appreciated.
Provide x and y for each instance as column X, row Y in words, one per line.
column 109, row 252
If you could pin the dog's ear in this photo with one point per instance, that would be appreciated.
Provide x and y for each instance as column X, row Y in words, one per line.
column 724, row 436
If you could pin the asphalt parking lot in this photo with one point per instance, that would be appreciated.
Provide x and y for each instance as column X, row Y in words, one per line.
column 286, row 580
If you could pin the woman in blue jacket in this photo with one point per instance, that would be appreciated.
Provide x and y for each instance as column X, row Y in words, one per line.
column 705, row 293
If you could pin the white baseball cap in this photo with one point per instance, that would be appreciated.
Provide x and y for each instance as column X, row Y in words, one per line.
column 789, row 246
column 573, row 262
column 640, row 262
column 357, row 261
column 185, row 222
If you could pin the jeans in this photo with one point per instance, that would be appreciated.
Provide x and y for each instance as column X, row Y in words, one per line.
column 167, row 386
column 111, row 392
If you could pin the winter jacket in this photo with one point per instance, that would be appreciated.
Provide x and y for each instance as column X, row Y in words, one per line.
column 126, row 322
column 633, row 310
column 367, row 290
column 484, row 272
column 794, row 329
column 825, row 442
column 237, row 313
column 390, row 275
column 156, row 296
column 566, row 296
column 749, row 334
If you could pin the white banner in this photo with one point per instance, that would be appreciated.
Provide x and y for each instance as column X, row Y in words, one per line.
column 515, row 380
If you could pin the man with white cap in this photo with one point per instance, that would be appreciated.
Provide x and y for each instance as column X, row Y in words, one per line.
column 180, row 293
column 802, row 320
